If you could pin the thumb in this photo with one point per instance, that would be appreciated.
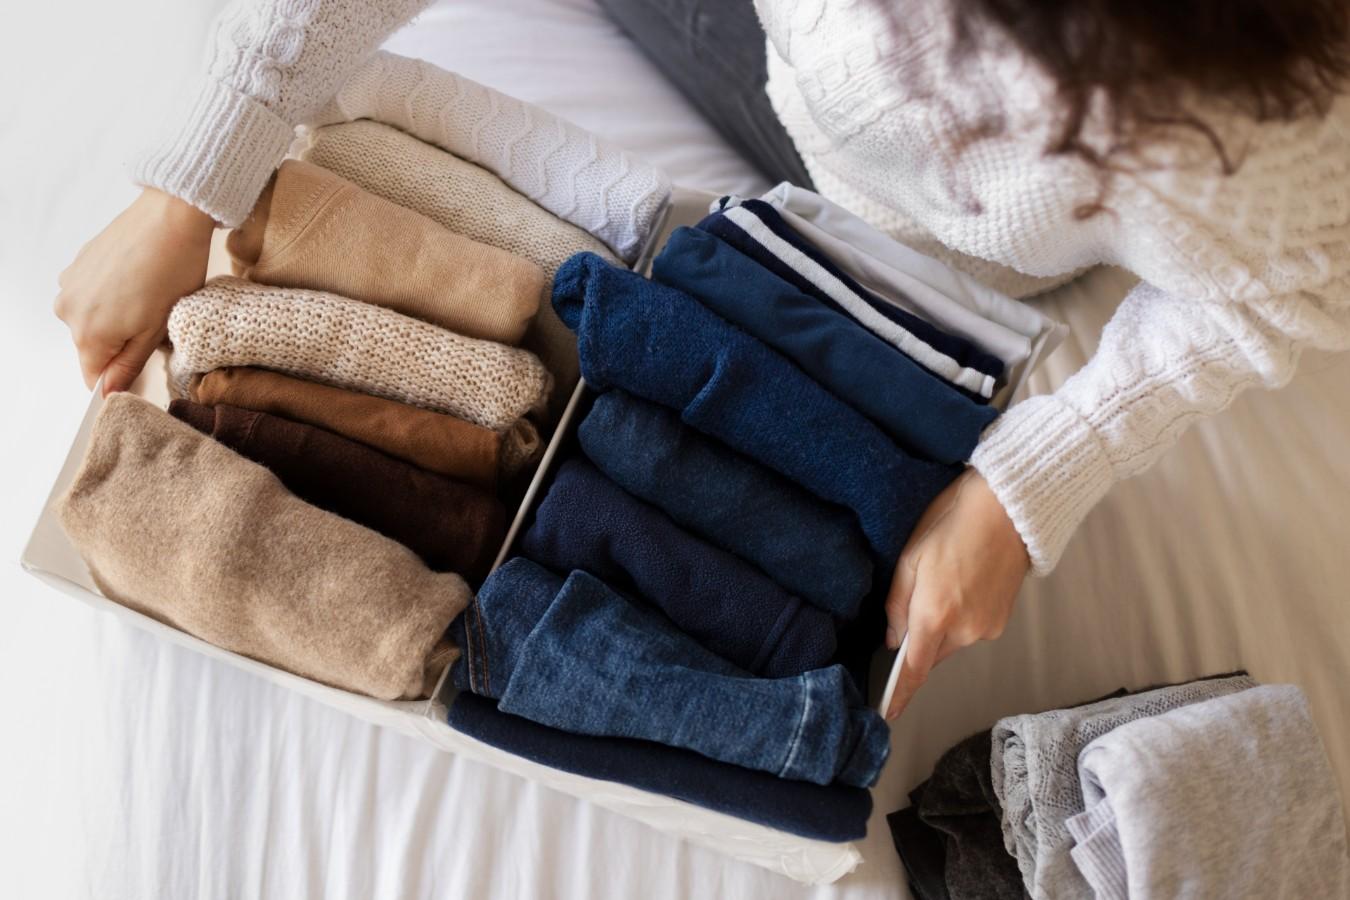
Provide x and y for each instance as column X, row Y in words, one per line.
column 897, row 600
column 122, row 369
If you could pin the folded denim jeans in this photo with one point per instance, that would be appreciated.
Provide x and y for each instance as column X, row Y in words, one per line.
column 924, row 414
column 812, row 548
column 662, row 344
column 757, row 230
column 577, row 656
column 834, row 813
column 727, row 605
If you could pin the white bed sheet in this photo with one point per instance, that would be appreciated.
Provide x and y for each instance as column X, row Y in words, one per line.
column 133, row 768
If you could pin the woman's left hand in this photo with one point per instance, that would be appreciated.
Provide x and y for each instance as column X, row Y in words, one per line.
column 955, row 582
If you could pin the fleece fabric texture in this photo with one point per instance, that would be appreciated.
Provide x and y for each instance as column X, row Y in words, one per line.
column 662, row 344
column 467, row 200
column 1034, row 770
column 178, row 527
column 812, row 548
column 1213, row 799
column 924, row 414
column 577, row 656
column 756, row 229
column 835, row 813
column 353, row 345
column 727, row 605
column 432, row 441
column 312, row 228
column 453, row 527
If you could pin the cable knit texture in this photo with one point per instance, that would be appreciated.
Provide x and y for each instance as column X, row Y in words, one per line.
column 565, row 169
column 352, row 345
column 1240, row 271
column 271, row 66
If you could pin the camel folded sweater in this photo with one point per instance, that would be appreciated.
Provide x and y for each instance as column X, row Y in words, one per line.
column 565, row 169
column 454, row 527
column 180, row 528
column 430, row 440
column 468, row 200
column 312, row 228
column 353, row 345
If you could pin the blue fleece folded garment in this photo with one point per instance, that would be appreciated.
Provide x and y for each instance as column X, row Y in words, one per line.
column 926, row 415
column 727, row 605
column 662, row 344
column 835, row 813
column 778, row 247
column 812, row 548
column 576, row 655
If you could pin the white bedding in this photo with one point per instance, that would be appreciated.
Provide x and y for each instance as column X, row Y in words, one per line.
column 133, row 768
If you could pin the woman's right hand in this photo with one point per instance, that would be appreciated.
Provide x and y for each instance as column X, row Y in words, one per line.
column 116, row 296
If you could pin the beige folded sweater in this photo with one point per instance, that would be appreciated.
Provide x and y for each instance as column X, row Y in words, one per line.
column 469, row 201
column 434, row 441
column 312, row 228
column 348, row 344
column 180, row 528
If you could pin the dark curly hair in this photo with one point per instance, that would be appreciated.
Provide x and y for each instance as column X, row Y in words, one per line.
column 1268, row 59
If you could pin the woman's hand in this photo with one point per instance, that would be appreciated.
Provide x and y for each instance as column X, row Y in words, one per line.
column 116, row 296
column 955, row 582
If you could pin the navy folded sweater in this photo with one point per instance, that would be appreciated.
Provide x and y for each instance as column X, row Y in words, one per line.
column 926, row 415
column 727, row 605
column 812, row 548
column 662, row 344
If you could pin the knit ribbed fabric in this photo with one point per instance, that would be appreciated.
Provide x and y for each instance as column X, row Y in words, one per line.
column 271, row 67
column 565, row 169
column 434, row 441
column 352, row 345
column 467, row 200
column 315, row 229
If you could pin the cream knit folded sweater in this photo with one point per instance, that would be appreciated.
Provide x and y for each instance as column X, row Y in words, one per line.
column 352, row 345
column 1242, row 271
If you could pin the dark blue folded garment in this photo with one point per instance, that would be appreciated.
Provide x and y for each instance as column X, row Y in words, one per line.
column 958, row 348
column 835, row 813
column 662, row 344
column 926, row 415
column 812, row 548
column 727, row 605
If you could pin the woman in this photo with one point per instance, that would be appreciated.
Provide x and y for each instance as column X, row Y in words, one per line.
column 1203, row 146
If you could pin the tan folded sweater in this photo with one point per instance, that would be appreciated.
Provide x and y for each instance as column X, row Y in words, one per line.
column 348, row 344
column 470, row 201
column 183, row 529
column 314, row 229
column 434, row 441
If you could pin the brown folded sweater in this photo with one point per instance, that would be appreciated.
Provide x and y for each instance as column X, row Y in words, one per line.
column 433, row 441
column 454, row 527
column 180, row 528
column 315, row 229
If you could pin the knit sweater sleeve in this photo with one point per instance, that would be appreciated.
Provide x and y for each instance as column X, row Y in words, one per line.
column 1163, row 362
column 271, row 64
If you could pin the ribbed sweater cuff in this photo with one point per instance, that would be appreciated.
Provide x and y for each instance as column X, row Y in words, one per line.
column 1047, row 467
column 222, row 156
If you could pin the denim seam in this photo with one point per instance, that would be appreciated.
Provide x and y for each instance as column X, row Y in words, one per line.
column 774, row 636
column 796, row 741
column 483, row 653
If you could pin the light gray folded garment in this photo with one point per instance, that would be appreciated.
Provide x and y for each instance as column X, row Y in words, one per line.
column 1232, row 797
column 1034, row 769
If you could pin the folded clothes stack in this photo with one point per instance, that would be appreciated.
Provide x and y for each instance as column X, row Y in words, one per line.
column 364, row 367
column 1218, row 783
column 767, row 433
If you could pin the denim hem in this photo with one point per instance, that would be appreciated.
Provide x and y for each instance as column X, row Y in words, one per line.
column 787, row 770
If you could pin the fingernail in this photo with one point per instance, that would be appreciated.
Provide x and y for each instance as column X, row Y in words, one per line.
column 892, row 639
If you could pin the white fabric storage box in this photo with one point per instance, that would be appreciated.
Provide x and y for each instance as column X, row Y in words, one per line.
column 50, row 557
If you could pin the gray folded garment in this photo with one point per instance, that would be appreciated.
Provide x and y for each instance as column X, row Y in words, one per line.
column 1231, row 797
column 1034, row 765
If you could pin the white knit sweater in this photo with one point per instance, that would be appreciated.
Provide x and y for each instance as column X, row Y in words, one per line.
column 1240, row 272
